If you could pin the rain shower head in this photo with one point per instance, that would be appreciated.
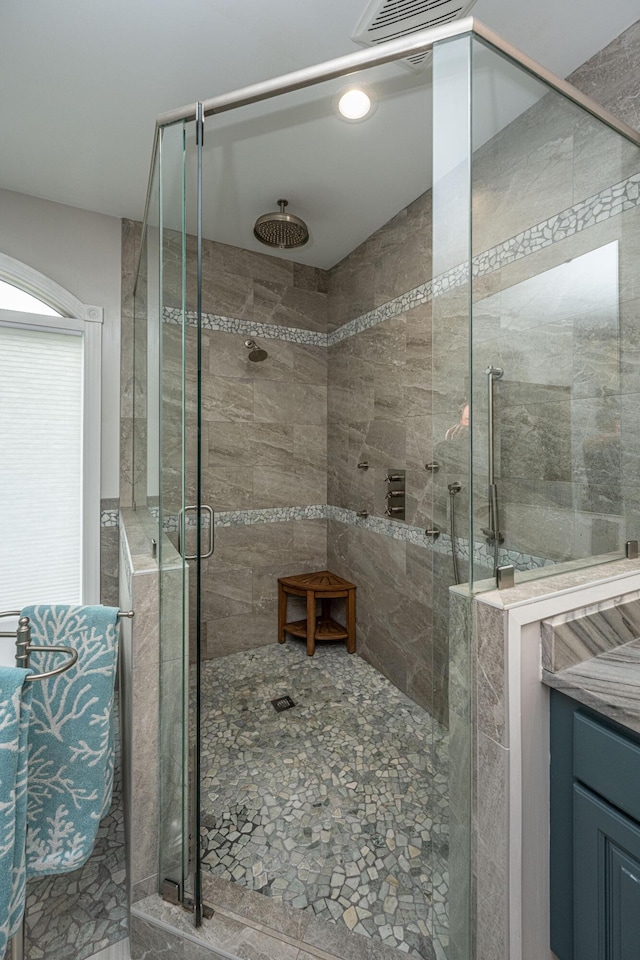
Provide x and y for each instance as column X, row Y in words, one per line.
column 257, row 354
column 281, row 229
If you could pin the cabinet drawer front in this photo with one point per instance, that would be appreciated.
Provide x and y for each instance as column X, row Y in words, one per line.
column 607, row 763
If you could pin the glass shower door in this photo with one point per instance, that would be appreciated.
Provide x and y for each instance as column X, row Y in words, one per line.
column 553, row 266
column 179, row 515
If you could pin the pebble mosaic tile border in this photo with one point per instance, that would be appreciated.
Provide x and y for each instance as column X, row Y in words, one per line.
column 248, row 328
column 231, row 518
column 339, row 806
column 109, row 518
column 595, row 209
column 392, row 308
column 125, row 557
column 601, row 206
column 482, row 552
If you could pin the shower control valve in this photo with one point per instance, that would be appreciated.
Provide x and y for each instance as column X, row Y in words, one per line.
column 433, row 532
column 432, row 467
column 395, row 479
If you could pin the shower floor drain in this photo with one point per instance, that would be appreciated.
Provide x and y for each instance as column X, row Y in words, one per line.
column 283, row 703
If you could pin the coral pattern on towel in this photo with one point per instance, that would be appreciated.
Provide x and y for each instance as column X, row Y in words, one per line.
column 15, row 712
column 71, row 755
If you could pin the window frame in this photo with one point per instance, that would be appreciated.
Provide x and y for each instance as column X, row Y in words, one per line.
column 77, row 319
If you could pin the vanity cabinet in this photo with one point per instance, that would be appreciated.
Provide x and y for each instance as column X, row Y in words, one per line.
column 606, row 880
column 595, row 835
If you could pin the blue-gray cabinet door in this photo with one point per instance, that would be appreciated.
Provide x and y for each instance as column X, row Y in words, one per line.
column 606, row 874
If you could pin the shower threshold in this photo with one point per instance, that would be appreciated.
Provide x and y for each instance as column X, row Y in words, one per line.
column 160, row 928
column 247, row 924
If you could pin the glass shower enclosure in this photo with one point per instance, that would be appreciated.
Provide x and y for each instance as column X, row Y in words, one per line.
column 470, row 331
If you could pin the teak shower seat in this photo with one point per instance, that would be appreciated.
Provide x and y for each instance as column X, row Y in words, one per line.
column 324, row 586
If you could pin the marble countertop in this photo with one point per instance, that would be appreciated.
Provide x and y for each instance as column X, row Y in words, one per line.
column 608, row 683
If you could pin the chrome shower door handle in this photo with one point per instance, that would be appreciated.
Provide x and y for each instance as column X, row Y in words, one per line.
column 181, row 516
column 205, row 506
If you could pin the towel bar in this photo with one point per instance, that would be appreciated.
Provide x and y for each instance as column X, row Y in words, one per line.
column 16, row 613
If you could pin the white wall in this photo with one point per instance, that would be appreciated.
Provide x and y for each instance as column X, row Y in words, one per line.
column 80, row 251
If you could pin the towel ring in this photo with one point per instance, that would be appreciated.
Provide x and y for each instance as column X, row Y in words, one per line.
column 61, row 669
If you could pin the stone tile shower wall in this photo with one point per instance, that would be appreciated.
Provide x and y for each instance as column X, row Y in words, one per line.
column 379, row 411
column 263, row 433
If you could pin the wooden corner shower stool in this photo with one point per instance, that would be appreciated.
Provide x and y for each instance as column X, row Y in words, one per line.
column 324, row 586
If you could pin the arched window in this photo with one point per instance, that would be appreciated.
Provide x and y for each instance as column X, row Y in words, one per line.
column 13, row 298
column 50, row 346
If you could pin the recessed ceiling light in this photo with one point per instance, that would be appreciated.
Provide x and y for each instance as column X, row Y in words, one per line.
column 354, row 103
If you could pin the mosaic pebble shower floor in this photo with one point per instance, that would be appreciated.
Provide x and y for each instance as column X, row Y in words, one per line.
column 338, row 805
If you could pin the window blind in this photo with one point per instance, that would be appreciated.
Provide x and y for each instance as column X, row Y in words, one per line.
column 40, row 467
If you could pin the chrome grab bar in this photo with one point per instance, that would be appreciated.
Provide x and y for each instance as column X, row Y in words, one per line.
column 493, row 373
column 453, row 488
column 492, row 531
column 182, row 517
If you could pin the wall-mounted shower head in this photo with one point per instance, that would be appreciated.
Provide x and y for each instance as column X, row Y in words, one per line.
column 281, row 229
column 454, row 487
column 257, row 354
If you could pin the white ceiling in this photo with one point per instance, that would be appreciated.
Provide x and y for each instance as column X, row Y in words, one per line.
column 82, row 84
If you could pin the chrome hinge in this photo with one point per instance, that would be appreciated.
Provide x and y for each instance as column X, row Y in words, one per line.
column 505, row 577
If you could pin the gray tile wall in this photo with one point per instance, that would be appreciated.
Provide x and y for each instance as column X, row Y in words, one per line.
column 380, row 411
column 109, row 539
column 461, row 754
column 132, row 344
column 610, row 76
column 490, row 782
column 240, row 581
column 263, row 430
column 140, row 681
column 264, row 438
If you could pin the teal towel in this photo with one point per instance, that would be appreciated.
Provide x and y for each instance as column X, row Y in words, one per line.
column 15, row 712
column 70, row 736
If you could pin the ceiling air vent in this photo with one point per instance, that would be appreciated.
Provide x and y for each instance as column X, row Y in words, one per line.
column 392, row 19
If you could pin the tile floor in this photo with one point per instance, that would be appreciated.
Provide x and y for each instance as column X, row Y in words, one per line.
column 337, row 806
